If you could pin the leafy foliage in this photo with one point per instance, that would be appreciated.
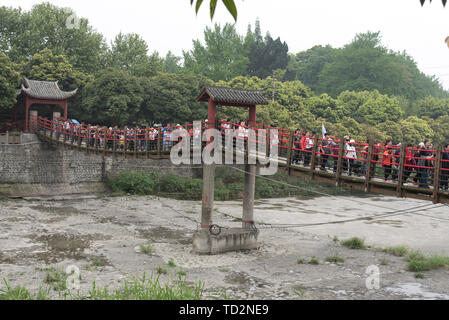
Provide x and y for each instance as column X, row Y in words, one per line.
column 45, row 27
column 230, row 5
column 115, row 97
column 223, row 56
column 265, row 55
column 9, row 80
column 129, row 52
column 172, row 98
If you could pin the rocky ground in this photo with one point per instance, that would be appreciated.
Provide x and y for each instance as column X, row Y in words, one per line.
column 102, row 237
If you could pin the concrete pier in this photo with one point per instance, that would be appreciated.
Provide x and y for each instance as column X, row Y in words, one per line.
column 227, row 240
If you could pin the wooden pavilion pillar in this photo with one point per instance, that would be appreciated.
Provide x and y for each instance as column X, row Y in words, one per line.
column 27, row 111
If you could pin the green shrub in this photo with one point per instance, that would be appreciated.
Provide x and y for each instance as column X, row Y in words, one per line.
column 398, row 251
column 134, row 182
column 354, row 243
column 417, row 262
column 335, row 259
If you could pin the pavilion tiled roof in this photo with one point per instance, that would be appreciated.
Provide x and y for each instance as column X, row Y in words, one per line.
column 231, row 95
column 45, row 90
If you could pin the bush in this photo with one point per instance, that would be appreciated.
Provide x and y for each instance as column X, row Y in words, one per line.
column 398, row 251
column 417, row 262
column 354, row 243
column 134, row 182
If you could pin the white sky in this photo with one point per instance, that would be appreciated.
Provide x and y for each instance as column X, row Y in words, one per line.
column 172, row 24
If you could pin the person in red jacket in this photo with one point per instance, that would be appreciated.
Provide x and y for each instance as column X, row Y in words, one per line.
column 387, row 160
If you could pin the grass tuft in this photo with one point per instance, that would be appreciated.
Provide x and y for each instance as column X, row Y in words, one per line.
column 56, row 279
column 161, row 270
column 417, row 262
column 314, row 260
column 335, row 259
column 398, row 251
column 354, row 243
column 171, row 263
column 149, row 289
column 146, row 248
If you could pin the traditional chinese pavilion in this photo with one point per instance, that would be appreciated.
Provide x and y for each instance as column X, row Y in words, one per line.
column 34, row 92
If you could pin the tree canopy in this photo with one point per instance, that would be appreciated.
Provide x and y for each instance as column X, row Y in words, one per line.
column 362, row 89
column 9, row 80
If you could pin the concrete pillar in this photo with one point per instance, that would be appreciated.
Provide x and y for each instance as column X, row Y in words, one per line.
column 250, row 184
column 208, row 175
column 208, row 195
column 33, row 120
column 248, row 196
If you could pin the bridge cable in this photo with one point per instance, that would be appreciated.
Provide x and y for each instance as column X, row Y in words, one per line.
column 383, row 215
column 309, row 190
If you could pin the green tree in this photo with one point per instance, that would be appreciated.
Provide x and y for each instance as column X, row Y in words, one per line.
column 172, row 63
column 364, row 64
column 423, row 129
column 129, row 52
column 433, row 107
column 172, row 98
column 440, row 128
column 392, row 130
column 46, row 26
column 9, row 81
column 266, row 55
column 221, row 58
column 46, row 66
column 307, row 65
column 114, row 98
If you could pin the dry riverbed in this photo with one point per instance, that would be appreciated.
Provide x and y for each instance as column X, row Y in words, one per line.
column 103, row 238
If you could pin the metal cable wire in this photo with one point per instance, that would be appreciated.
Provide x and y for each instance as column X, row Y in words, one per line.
column 372, row 217
column 309, row 190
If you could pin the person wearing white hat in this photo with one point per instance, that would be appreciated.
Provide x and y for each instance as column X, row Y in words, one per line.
column 351, row 155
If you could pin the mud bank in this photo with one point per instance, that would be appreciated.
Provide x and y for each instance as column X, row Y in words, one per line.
column 103, row 237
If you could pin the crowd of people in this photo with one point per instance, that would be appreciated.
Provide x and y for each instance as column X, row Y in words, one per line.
column 418, row 163
column 419, row 160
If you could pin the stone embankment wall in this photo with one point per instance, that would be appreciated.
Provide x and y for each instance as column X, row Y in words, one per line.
column 35, row 168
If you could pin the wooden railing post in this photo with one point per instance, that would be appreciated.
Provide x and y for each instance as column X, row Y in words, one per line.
column 64, row 135
column 105, row 140
column 159, row 139
column 289, row 151
column 114, row 142
column 147, row 143
column 401, row 169
column 72, row 134
column 314, row 155
column 135, row 142
column 340, row 161
column 369, row 165
column 268, row 146
column 87, row 138
column 79, row 135
column 96, row 140
column 125, row 141
column 436, row 177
